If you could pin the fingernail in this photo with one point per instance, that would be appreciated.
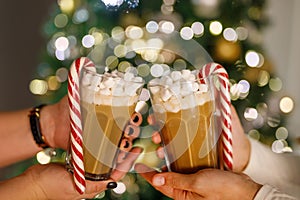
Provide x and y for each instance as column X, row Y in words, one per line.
column 158, row 180
column 111, row 185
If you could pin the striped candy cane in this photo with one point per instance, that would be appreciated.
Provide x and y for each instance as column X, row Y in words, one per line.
column 75, row 121
column 226, row 135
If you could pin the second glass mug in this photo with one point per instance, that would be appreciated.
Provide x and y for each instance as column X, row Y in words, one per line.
column 107, row 104
column 187, row 113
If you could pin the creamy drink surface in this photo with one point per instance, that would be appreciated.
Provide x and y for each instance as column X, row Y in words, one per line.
column 106, row 108
column 186, row 108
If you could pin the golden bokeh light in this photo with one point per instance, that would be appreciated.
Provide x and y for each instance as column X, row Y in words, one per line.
column 38, row 87
column 286, row 105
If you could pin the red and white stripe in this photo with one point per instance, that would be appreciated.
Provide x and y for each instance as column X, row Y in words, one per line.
column 75, row 121
column 226, row 135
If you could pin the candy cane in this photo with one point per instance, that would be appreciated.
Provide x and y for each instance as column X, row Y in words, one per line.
column 226, row 134
column 75, row 121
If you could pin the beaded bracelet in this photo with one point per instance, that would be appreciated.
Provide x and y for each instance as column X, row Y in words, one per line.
column 34, row 119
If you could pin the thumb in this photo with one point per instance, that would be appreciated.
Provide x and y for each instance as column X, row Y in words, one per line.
column 175, row 180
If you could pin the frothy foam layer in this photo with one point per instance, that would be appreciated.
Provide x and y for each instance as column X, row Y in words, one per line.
column 179, row 90
column 115, row 88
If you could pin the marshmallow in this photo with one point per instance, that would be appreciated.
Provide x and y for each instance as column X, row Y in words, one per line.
column 154, row 89
column 145, row 95
column 128, row 76
column 166, row 69
column 179, row 90
column 176, row 75
column 166, row 94
column 132, row 70
column 185, row 74
column 166, row 80
column 118, row 88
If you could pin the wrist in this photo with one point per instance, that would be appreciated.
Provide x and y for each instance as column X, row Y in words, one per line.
column 255, row 188
column 242, row 157
column 55, row 124
column 47, row 125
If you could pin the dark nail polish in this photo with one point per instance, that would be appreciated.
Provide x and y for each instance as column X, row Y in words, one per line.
column 111, row 185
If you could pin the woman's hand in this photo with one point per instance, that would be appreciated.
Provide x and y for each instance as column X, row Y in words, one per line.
column 205, row 184
column 55, row 124
column 52, row 181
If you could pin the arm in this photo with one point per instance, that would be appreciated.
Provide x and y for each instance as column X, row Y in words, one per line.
column 279, row 170
column 261, row 164
column 16, row 139
column 17, row 142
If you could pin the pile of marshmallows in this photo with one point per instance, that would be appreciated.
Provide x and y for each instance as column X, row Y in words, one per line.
column 174, row 90
column 178, row 90
column 115, row 88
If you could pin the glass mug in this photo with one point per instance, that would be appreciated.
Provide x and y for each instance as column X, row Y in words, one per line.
column 107, row 103
column 187, row 114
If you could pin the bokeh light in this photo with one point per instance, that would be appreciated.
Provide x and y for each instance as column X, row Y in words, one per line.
column 282, row 133
column 113, row 2
column 80, row 16
column 198, row 29
column 61, row 20
column 43, row 158
column 88, row 41
column 252, row 59
column 166, row 27
column 120, row 189
column 38, row 87
column 254, row 134
column 186, row 33
column 286, row 104
column 242, row 33
column 263, row 78
column 62, row 74
column 66, row 6
column 152, row 27
column 215, row 28
column 250, row 114
column 275, row 84
column 53, row 83
column 61, row 43
column 230, row 35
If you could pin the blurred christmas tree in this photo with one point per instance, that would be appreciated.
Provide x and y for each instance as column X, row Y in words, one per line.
column 229, row 30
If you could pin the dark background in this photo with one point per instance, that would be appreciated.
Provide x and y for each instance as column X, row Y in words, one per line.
column 21, row 41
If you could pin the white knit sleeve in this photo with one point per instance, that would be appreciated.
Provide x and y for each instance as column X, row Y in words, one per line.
column 279, row 170
column 268, row 192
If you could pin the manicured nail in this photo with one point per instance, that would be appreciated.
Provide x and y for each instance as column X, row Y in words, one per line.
column 111, row 185
column 159, row 180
